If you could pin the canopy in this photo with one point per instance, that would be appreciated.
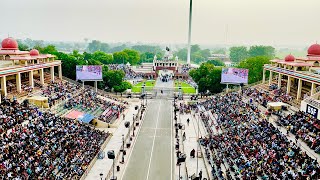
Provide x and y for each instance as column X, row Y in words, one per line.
column 86, row 118
column 276, row 105
column 39, row 101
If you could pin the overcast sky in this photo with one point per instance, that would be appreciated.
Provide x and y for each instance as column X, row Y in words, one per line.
column 274, row 22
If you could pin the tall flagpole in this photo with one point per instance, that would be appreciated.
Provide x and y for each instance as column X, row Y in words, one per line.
column 189, row 35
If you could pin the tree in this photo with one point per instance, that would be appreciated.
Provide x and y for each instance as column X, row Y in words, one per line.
column 102, row 57
column 98, row 46
column 182, row 54
column 205, row 53
column 146, row 48
column 208, row 78
column 238, row 53
column 120, row 57
column 219, row 51
column 50, row 49
column 113, row 78
column 267, row 51
column 117, row 48
column 216, row 62
column 134, row 56
column 22, row 46
column 146, row 57
column 195, row 48
column 255, row 66
column 122, row 87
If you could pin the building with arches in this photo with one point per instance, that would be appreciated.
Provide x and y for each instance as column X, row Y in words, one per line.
column 21, row 70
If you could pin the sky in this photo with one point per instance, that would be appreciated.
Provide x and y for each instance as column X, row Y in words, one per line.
column 241, row 22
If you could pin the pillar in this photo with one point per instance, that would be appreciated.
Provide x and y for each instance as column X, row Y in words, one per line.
column 18, row 82
column 31, row 82
column 264, row 76
column 96, row 86
column 52, row 73
column 288, row 85
column 299, row 89
column 270, row 78
column 4, row 86
column 313, row 89
column 60, row 72
column 41, row 77
column 279, row 80
column 26, row 63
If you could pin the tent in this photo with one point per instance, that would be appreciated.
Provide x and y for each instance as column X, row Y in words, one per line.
column 39, row 101
column 277, row 105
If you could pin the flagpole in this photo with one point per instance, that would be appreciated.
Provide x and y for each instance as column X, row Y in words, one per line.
column 189, row 35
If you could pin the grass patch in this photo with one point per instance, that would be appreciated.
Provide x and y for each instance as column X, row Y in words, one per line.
column 186, row 88
column 138, row 87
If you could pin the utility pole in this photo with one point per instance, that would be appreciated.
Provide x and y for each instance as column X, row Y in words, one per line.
column 189, row 35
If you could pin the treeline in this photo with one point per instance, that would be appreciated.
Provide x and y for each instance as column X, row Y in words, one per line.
column 208, row 76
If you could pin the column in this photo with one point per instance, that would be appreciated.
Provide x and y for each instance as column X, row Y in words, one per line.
column 41, row 77
column 4, row 86
column 31, row 82
column 288, row 85
column 270, row 78
column 60, row 72
column 264, row 76
column 313, row 89
column 279, row 80
column 26, row 63
column 18, row 82
column 52, row 73
column 96, row 86
column 299, row 89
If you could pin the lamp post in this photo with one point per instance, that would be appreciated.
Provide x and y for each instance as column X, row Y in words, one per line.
column 133, row 119
column 122, row 148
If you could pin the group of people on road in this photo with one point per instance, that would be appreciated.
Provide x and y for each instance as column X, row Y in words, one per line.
column 248, row 146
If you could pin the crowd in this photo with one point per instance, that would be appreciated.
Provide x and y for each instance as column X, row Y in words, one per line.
column 13, row 113
column 88, row 100
column 263, row 97
column 303, row 126
column 249, row 146
column 129, row 73
column 48, row 147
column 184, row 69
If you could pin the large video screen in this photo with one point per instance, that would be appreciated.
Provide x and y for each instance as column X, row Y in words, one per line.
column 234, row 75
column 89, row 73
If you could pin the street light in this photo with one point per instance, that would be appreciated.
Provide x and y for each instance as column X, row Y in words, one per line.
column 133, row 125
column 122, row 148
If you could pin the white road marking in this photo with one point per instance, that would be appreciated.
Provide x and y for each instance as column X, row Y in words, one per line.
column 171, row 141
column 155, row 132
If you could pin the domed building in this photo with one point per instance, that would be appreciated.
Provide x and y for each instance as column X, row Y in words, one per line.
column 297, row 76
column 22, row 71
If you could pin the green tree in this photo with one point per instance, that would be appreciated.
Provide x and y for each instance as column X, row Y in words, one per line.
column 113, row 78
column 50, row 49
column 216, row 62
column 146, row 57
column 122, row 87
column 268, row 51
column 102, row 57
column 182, row 54
column 120, row 57
column 238, row 53
column 118, row 48
column 195, row 48
column 22, row 46
column 134, row 56
column 205, row 53
column 208, row 78
column 255, row 66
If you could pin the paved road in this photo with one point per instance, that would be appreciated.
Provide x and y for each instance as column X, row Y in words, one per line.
column 151, row 157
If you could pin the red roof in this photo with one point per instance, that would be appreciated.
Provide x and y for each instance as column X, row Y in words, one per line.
column 34, row 52
column 298, row 64
column 9, row 43
column 314, row 49
column 309, row 58
column 289, row 58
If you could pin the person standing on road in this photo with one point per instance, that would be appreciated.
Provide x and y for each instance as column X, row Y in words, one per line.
column 200, row 175
column 188, row 120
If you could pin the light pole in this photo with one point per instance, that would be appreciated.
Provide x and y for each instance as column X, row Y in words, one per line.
column 122, row 148
column 133, row 119
column 189, row 35
column 198, row 144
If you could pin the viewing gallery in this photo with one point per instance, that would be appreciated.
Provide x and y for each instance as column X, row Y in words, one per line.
column 22, row 71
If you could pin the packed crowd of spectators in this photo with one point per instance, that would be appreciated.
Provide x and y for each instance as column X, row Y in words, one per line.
column 48, row 147
column 303, row 126
column 59, row 90
column 249, row 146
column 129, row 73
column 88, row 100
column 184, row 69
column 13, row 113
column 263, row 97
